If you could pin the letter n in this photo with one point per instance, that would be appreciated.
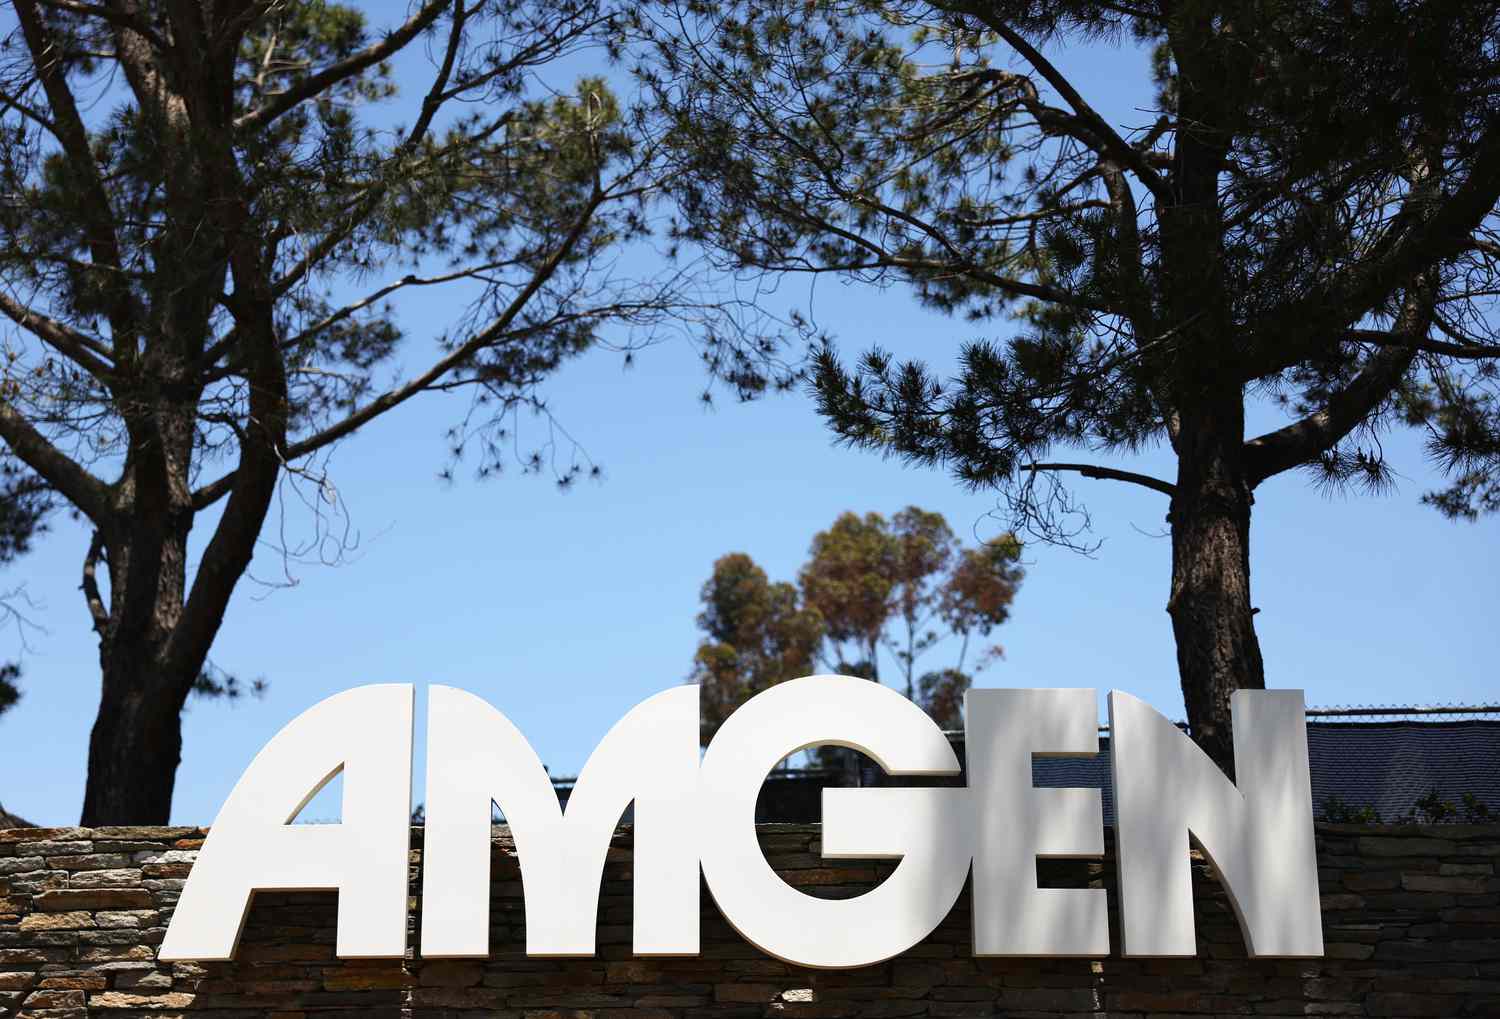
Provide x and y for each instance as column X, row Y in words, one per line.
column 1259, row 835
column 365, row 733
column 475, row 755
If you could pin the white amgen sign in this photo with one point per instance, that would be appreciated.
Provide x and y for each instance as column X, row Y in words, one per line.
column 693, row 814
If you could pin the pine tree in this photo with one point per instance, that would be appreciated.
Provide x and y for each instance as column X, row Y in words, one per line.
column 1307, row 219
column 208, row 224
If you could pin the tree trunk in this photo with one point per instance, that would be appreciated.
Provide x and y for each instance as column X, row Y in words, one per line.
column 1212, row 619
column 137, row 737
column 136, row 744
column 1217, row 652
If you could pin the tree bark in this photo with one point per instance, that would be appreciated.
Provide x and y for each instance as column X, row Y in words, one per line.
column 136, row 741
column 135, row 746
column 1212, row 618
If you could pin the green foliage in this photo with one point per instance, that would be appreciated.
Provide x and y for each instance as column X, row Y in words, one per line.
column 213, row 223
column 870, row 584
column 1306, row 223
column 9, row 692
column 216, row 684
column 1306, row 219
column 850, row 579
column 756, row 634
column 508, row 195
column 1476, row 811
column 1336, row 811
column 24, row 502
column 941, row 695
column 903, row 584
column 1430, row 808
column 486, row 198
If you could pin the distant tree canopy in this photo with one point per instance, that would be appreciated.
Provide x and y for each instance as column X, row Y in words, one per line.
column 24, row 502
column 209, row 225
column 871, row 585
column 1306, row 220
column 9, row 691
column 756, row 634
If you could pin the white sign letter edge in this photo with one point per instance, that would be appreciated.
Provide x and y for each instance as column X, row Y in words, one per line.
column 365, row 733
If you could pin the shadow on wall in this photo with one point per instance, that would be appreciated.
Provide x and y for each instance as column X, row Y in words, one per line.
column 286, row 959
column 1411, row 917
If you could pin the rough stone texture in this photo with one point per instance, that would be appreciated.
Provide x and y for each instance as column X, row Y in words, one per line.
column 1411, row 917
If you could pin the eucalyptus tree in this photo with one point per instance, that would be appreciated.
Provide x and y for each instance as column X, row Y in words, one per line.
column 210, row 223
column 756, row 634
column 1306, row 221
column 903, row 585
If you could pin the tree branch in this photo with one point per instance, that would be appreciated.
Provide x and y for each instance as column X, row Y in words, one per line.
column 81, row 488
column 1301, row 441
column 1109, row 474
column 430, row 105
column 112, row 15
column 1128, row 245
column 261, row 454
column 1111, row 143
column 12, row 102
column 212, row 492
column 1401, row 253
column 98, row 214
column 88, row 353
column 90, row 585
column 1468, row 351
column 318, row 82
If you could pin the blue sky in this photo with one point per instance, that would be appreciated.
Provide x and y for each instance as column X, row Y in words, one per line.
column 565, row 609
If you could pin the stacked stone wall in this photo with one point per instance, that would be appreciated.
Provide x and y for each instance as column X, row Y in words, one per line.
column 1411, row 918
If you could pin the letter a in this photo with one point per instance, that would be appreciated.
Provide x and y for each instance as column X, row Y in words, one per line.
column 365, row 733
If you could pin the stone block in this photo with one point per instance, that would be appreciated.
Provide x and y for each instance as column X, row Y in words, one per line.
column 63, row 900
column 24, row 836
column 1405, row 1003
column 74, row 982
column 385, row 978
column 747, row 993
column 57, row 921
column 58, row 847
column 450, row 973
column 91, row 861
column 127, row 999
column 128, row 919
column 1401, row 845
column 1485, row 950
column 54, row 999
column 1458, row 885
column 21, row 864
column 124, row 877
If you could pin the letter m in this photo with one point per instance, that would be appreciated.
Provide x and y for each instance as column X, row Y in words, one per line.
column 476, row 755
